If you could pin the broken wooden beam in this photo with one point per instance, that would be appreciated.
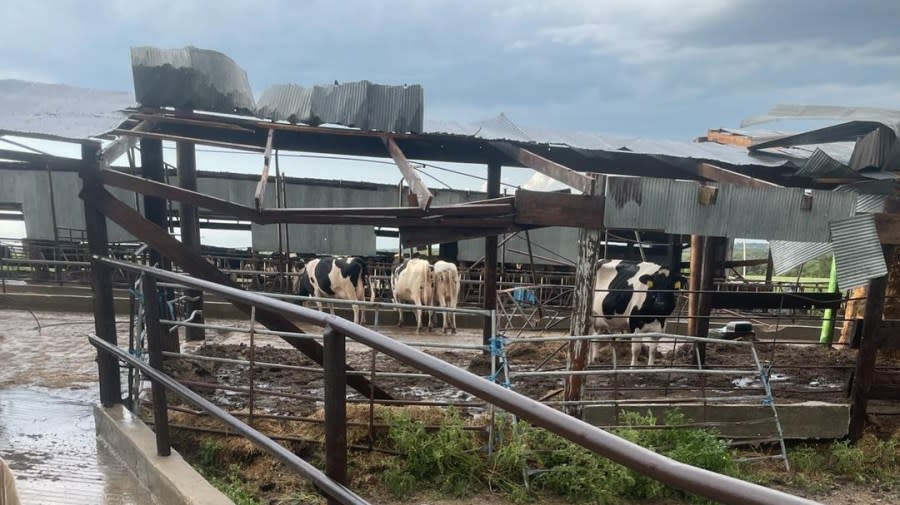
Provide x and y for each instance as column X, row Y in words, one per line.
column 422, row 195
column 718, row 174
column 260, row 195
column 550, row 168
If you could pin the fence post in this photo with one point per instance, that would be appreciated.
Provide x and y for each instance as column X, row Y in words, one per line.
column 101, row 275
column 154, row 347
column 335, row 353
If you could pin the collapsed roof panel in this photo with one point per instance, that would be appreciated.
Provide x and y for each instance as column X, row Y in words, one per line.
column 58, row 111
column 359, row 104
column 190, row 78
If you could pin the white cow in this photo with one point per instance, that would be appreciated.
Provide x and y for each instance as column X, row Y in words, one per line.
column 336, row 277
column 632, row 297
column 413, row 282
column 446, row 291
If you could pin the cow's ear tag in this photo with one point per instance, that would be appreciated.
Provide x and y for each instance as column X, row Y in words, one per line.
column 677, row 284
column 649, row 284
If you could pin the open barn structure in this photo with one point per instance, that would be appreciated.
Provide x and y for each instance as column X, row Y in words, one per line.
column 729, row 183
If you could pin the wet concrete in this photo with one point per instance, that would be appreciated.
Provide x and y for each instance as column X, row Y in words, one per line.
column 47, row 392
column 47, row 437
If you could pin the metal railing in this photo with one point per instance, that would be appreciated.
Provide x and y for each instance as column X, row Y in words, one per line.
column 692, row 479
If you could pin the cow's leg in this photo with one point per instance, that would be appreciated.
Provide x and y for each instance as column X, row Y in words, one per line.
column 636, row 345
column 399, row 314
column 652, row 345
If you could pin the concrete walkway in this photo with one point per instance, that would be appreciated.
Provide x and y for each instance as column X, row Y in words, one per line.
column 47, row 437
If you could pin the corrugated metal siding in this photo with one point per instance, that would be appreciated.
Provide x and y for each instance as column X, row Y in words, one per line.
column 787, row 255
column 857, row 251
column 359, row 104
column 770, row 214
column 190, row 78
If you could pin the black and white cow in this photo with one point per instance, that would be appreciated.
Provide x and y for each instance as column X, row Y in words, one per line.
column 413, row 282
column 335, row 277
column 633, row 297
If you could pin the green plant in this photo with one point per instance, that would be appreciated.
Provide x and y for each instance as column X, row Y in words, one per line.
column 449, row 459
column 234, row 488
column 209, row 453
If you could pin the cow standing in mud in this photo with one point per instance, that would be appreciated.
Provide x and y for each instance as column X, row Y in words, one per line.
column 446, row 292
column 633, row 297
column 413, row 282
column 335, row 277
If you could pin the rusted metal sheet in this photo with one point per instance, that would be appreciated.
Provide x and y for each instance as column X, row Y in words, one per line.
column 857, row 251
column 788, row 254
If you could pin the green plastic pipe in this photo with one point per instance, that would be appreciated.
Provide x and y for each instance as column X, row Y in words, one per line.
column 828, row 318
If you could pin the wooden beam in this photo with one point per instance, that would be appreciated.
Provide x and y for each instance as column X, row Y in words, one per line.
column 540, row 208
column 192, row 140
column 550, row 168
column 197, row 266
column 119, row 147
column 867, row 356
column 483, row 210
column 719, row 174
column 723, row 137
column 207, row 123
column 158, row 189
column 418, row 188
column 264, row 178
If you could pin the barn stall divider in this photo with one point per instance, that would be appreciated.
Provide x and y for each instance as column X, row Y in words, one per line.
column 692, row 479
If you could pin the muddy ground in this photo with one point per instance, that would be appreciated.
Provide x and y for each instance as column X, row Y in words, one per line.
column 50, row 350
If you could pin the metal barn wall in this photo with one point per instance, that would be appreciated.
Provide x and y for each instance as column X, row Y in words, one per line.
column 31, row 189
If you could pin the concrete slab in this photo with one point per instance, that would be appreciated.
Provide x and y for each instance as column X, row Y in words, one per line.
column 172, row 480
column 800, row 421
column 47, row 438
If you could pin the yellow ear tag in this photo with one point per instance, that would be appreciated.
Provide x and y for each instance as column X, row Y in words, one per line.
column 649, row 284
column 677, row 284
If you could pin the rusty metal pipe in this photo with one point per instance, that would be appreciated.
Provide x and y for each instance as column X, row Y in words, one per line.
column 705, row 483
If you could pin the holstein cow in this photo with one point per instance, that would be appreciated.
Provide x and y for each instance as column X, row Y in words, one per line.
column 413, row 282
column 446, row 291
column 335, row 277
column 633, row 297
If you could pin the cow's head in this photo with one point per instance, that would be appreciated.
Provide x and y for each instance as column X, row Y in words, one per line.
column 662, row 286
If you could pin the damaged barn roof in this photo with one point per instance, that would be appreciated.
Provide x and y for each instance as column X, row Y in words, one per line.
column 61, row 112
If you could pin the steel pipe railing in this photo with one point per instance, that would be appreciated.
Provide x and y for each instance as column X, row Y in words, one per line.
column 705, row 483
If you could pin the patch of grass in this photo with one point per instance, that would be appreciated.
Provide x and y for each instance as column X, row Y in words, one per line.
column 871, row 461
column 448, row 460
column 528, row 461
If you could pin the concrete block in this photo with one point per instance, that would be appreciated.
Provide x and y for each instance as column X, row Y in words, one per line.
column 170, row 479
column 799, row 421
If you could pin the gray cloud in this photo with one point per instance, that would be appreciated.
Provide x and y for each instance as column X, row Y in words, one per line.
column 657, row 68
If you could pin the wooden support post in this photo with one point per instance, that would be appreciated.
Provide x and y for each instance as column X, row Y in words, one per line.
column 580, row 322
column 770, row 268
column 490, row 256
column 694, row 282
column 335, row 355
column 868, row 352
column 154, row 347
column 704, row 304
column 101, row 279
column 155, row 210
column 190, row 231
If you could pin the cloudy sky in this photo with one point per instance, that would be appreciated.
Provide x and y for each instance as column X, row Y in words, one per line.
column 656, row 68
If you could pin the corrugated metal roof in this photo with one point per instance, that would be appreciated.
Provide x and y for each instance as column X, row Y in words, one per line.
column 857, row 251
column 872, row 150
column 887, row 117
column 823, row 165
column 60, row 111
column 359, row 104
column 771, row 214
column 787, row 254
column 190, row 78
